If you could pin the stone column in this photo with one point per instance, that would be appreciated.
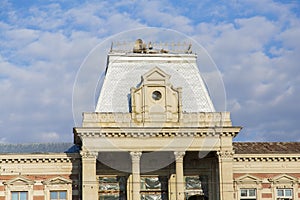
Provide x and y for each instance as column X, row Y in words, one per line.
column 225, row 158
column 179, row 175
column 135, row 159
column 89, row 181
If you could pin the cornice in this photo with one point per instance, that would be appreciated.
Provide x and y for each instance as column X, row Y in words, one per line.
column 31, row 158
column 156, row 132
column 266, row 158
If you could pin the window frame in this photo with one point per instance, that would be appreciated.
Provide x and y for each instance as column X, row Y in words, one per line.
column 120, row 192
column 57, row 184
column 59, row 191
column 248, row 193
column 19, row 184
column 19, row 197
column 284, row 193
column 162, row 191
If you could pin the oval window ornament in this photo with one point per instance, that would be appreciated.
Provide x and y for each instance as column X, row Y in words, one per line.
column 156, row 95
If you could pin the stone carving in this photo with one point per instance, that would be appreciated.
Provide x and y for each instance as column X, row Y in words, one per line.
column 88, row 154
column 156, row 100
column 179, row 155
column 135, row 155
column 20, row 180
column 139, row 46
column 57, row 181
column 225, row 154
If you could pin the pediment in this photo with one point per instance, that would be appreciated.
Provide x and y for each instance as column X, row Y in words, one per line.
column 20, row 180
column 57, row 181
column 284, row 178
column 247, row 179
column 155, row 74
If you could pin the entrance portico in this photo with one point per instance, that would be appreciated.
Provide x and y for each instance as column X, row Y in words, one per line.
column 137, row 141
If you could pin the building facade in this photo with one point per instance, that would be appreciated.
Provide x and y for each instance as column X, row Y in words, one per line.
column 154, row 135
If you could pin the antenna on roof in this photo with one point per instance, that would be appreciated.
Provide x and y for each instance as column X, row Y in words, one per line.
column 111, row 46
column 189, row 49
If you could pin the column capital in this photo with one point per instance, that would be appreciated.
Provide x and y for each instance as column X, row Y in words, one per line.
column 179, row 155
column 135, row 155
column 225, row 154
column 88, row 154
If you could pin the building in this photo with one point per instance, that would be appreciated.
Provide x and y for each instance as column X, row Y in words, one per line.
column 155, row 134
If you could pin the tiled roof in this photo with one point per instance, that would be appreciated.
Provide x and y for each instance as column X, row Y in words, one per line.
column 125, row 70
column 39, row 148
column 266, row 147
column 239, row 148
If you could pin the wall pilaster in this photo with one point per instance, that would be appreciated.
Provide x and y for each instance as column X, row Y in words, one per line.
column 225, row 158
column 89, row 181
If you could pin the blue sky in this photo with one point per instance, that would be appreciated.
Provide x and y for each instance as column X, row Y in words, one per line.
column 254, row 43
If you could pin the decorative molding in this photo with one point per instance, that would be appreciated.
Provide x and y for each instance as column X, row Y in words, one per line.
column 19, row 179
column 227, row 154
column 9, row 159
column 266, row 158
column 284, row 179
column 197, row 119
column 88, row 154
column 149, row 133
column 57, row 181
column 247, row 179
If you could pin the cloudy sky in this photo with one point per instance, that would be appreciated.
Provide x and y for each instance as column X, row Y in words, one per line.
column 254, row 43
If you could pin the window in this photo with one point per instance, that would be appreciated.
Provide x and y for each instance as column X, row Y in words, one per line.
column 284, row 194
column 249, row 194
column 58, row 195
column 196, row 186
column 19, row 195
column 154, row 187
column 112, row 188
column 156, row 95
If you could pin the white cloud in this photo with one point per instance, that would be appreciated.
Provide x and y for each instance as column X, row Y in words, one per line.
column 260, row 88
column 48, row 136
column 42, row 47
column 3, row 140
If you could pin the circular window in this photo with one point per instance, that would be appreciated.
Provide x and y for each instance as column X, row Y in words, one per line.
column 156, row 95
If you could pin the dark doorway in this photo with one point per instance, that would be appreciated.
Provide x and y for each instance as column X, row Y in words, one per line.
column 197, row 197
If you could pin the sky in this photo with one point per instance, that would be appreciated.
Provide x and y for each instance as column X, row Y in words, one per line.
column 255, row 45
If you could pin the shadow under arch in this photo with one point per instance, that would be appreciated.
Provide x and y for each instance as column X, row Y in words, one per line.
column 197, row 197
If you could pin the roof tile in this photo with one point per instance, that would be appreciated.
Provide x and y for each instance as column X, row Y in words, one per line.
column 266, row 147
